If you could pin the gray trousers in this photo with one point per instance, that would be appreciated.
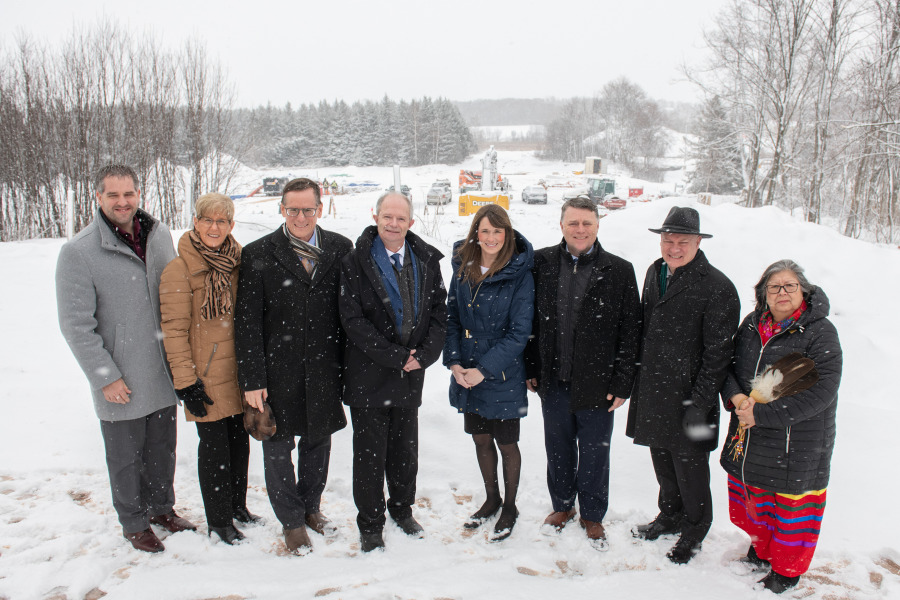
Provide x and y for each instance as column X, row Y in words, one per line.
column 295, row 496
column 140, row 456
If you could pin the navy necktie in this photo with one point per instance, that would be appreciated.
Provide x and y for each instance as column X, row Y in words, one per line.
column 398, row 262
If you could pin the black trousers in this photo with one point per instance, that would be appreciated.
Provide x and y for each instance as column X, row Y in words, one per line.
column 295, row 496
column 684, row 490
column 385, row 446
column 223, row 456
column 140, row 456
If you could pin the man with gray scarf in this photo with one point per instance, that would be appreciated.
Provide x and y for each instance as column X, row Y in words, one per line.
column 289, row 344
column 107, row 295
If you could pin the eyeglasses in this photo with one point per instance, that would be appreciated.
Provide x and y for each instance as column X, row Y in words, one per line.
column 307, row 212
column 207, row 222
column 790, row 288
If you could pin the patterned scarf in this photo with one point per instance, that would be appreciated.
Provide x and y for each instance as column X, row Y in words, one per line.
column 768, row 327
column 304, row 249
column 221, row 263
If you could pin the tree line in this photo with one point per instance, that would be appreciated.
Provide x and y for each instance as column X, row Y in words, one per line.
column 104, row 95
column 406, row 133
column 803, row 110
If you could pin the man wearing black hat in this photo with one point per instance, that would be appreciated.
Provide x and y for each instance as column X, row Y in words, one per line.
column 691, row 311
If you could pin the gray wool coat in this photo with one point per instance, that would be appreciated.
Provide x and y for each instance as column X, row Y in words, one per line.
column 108, row 304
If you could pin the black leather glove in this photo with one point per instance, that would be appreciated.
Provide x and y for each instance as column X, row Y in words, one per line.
column 695, row 424
column 194, row 397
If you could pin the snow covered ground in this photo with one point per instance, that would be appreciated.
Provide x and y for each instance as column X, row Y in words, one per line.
column 59, row 537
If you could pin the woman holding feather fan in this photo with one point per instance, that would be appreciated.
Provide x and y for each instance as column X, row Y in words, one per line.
column 782, row 394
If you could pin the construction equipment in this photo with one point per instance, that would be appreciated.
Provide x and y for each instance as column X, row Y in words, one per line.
column 492, row 188
column 599, row 188
column 272, row 186
column 469, row 180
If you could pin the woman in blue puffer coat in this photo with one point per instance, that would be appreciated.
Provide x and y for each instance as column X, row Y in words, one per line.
column 490, row 308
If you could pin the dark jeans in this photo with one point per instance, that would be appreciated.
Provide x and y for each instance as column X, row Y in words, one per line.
column 295, row 496
column 385, row 445
column 578, row 447
column 684, row 490
column 223, row 456
column 140, row 456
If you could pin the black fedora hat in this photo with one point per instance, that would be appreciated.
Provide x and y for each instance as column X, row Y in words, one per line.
column 682, row 220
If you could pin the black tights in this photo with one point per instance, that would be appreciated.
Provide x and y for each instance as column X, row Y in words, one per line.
column 486, row 451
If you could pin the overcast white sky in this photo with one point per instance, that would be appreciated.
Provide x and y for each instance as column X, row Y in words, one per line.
column 304, row 51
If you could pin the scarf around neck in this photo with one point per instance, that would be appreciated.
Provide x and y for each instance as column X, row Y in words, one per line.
column 218, row 299
column 304, row 249
column 768, row 327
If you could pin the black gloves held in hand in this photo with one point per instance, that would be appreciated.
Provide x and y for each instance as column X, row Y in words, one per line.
column 695, row 424
column 194, row 397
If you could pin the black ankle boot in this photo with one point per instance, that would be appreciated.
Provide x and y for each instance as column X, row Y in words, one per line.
column 228, row 534
column 754, row 561
column 242, row 515
column 778, row 583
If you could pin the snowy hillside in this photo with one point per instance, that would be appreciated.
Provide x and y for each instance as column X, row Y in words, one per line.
column 59, row 536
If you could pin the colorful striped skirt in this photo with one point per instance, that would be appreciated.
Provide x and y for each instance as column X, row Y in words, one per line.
column 784, row 528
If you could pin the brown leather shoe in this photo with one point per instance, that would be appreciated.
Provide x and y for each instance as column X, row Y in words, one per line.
column 173, row 523
column 321, row 524
column 596, row 534
column 297, row 541
column 555, row 521
column 145, row 541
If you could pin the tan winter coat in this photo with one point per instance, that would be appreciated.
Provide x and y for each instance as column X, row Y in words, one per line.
column 197, row 348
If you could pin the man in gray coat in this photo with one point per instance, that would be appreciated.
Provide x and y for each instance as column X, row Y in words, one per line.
column 107, row 295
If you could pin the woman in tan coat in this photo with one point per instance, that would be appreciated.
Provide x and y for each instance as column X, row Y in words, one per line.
column 197, row 293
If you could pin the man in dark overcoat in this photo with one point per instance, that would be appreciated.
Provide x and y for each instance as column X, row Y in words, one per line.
column 691, row 310
column 582, row 360
column 107, row 293
column 289, row 346
column 393, row 308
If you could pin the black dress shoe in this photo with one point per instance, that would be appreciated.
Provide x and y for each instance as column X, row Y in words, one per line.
column 661, row 525
column 370, row 541
column 778, row 583
column 242, row 515
column 487, row 510
column 504, row 525
column 410, row 527
column 228, row 534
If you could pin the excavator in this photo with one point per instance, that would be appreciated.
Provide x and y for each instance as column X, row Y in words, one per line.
column 489, row 188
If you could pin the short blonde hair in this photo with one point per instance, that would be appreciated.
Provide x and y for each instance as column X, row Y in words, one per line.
column 212, row 203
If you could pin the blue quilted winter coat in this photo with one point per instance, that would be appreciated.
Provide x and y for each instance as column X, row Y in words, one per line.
column 488, row 327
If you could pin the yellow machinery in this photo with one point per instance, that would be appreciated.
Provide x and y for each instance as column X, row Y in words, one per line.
column 471, row 202
column 493, row 188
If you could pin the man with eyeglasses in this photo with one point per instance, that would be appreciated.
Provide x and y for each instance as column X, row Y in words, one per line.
column 289, row 346
column 107, row 293
column 691, row 311
column 393, row 308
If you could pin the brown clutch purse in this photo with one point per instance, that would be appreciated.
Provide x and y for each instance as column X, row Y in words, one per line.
column 260, row 425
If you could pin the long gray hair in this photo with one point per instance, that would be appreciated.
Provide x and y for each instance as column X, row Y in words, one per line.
column 784, row 264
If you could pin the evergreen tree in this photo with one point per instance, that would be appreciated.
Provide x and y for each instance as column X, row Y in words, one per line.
column 716, row 152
